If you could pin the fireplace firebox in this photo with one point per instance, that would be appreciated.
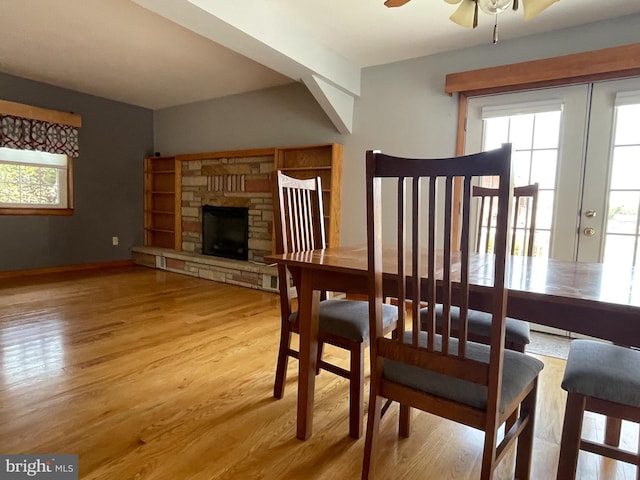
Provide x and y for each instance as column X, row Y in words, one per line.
column 225, row 232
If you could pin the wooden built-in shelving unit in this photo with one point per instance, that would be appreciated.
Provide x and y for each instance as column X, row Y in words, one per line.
column 162, row 184
column 324, row 161
column 163, row 187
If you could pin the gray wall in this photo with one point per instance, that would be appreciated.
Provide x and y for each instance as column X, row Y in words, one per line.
column 279, row 116
column 107, row 184
column 403, row 109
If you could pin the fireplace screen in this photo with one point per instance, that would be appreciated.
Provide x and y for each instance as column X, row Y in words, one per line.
column 225, row 232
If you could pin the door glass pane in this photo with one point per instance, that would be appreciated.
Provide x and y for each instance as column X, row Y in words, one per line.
column 547, row 130
column 521, row 131
column 621, row 231
column 623, row 212
column 541, row 243
column 521, row 164
column 535, row 138
column 544, row 216
column 543, row 168
column 619, row 249
column 496, row 132
column 625, row 169
column 627, row 131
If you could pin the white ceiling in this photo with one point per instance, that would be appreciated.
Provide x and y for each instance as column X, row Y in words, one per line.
column 119, row 50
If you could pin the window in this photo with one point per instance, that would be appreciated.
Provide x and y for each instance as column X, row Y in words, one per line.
column 31, row 179
column 37, row 146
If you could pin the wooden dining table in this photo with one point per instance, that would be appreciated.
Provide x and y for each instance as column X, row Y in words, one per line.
column 594, row 299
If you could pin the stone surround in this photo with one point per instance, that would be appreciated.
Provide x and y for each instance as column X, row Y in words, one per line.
column 225, row 270
column 229, row 182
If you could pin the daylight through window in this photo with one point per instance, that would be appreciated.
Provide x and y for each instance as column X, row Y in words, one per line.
column 32, row 179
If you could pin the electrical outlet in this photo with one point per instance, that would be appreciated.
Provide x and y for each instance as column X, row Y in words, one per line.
column 114, row 240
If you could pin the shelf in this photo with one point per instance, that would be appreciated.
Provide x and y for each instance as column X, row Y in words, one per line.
column 162, row 171
column 160, row 212
column 300, row 169
column 155, row 192
column 161, row 230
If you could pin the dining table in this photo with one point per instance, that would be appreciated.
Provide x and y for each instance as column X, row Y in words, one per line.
column 594, row 299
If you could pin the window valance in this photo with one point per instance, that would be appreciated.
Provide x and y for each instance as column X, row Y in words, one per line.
column 26, row 127
column 29, row 134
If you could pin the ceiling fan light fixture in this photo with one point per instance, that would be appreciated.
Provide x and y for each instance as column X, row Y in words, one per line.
column 493, row 7
column 466, row 15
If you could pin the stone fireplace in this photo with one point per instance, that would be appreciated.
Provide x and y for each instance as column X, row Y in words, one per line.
column 238, row 179
column 238, row 182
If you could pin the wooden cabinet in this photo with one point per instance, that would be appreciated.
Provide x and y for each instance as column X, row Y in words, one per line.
column 162, row 219
column 324, row 161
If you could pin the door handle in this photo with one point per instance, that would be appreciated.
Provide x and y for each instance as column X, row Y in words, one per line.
column 590, row 213
column 589, row 232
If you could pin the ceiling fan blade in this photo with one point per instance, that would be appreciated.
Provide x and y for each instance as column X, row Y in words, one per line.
column 466, row 15
column 534, row 7
column 395, row 3
column 453, row 2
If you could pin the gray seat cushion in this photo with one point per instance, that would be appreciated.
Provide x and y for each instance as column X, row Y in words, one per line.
column 604, row 371
column 519, row 370
column 479, row 323
column 350, row 318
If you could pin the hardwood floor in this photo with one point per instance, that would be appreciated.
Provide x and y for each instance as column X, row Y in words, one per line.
column 147, row 374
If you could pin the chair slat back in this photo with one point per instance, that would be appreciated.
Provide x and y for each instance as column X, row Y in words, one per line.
column 299, row 215
column 430, row 269
column 298, row 225
column 525, row 199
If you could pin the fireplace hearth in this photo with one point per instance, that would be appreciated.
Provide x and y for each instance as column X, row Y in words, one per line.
column 225, row 232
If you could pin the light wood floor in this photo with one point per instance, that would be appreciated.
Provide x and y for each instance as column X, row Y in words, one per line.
column 151, row 375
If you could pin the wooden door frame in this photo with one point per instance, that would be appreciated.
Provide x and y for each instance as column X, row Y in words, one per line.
column 586, row 67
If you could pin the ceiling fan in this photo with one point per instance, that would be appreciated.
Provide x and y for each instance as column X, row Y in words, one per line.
column 466, row 14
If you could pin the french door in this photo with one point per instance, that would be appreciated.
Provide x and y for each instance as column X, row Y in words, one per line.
column 581, row 144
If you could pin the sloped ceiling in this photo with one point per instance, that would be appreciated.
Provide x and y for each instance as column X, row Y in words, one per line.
column 162, row 53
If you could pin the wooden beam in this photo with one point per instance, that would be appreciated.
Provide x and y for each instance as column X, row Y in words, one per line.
column 37, row 113
column 615, row 62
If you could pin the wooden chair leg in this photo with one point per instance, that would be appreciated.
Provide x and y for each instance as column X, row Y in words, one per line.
column 571, row 436
column 283, row 360
column 489, row 453
column 320, row 349
column 524, row 449
column 373, row 430
column 404, row 424
column 356, row 390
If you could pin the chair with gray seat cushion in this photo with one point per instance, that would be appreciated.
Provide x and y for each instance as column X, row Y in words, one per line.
column 299, row 226
column 523, row 225
column 517, row 332
column 482, row 386
column 604, row 379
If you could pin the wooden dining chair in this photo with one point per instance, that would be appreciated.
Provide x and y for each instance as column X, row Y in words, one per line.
column 604, row 379
column 299, row 226
column 523, row 225
column 474, row 384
